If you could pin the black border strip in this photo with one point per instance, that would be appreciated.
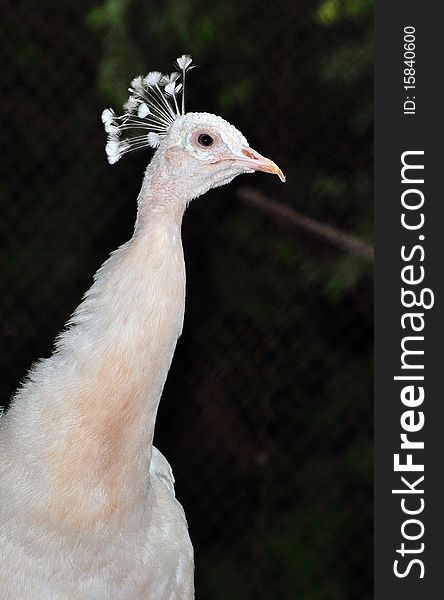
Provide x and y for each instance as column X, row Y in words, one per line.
column 396, row 133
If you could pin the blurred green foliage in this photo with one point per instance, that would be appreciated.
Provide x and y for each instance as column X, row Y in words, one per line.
column 266, row 416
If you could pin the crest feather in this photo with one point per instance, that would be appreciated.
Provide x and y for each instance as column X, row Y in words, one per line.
column 152, row 107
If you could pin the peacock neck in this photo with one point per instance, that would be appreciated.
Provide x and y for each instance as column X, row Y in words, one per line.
column 140, row 300
column 102, row 386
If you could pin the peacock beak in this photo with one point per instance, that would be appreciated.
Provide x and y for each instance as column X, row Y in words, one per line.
column 256, row 161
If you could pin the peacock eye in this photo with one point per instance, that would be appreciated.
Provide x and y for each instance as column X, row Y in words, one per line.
column 205, row 140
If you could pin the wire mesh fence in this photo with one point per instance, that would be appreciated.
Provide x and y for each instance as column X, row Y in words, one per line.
column 266, row 414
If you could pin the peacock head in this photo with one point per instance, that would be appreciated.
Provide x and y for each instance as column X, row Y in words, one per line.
column 201, row 148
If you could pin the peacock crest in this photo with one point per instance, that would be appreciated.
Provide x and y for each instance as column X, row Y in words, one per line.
column 155, row 101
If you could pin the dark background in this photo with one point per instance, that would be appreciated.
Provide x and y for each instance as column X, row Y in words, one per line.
column 266, row 417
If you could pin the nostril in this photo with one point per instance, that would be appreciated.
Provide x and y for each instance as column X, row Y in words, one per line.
column 249, row 154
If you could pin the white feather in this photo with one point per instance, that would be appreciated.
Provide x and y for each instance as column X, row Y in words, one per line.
column 152, row 78
column 143, row 110
column 170, row 88
column 136, row 84
column 174, row 76
column 131, row 104
column 153, row 139
column 184, row 61
column 154, row 99
column 108, row 116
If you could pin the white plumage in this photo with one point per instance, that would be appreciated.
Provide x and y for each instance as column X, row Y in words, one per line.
column 87, row 504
